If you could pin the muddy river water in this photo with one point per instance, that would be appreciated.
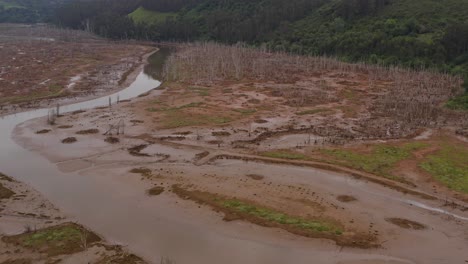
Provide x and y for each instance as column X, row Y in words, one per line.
column 122, row 215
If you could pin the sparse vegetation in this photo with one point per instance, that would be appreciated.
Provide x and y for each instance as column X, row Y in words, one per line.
column 313, row 111
column 284, row 154
column 449, row 165
column 237, row 209
column 379, row 160
column 56, row 240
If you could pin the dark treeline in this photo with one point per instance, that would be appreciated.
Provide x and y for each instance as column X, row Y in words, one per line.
column 169, row 5
column 28, row 11
column 224, row 20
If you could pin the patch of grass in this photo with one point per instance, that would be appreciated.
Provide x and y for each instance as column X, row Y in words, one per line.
column 237, row 209
column 172, row 109
column 313, row 111
column 245, row 111
column 145, row 16
column 63, row 239
column 5, row 193
column 53, row 91
column 458, row 103
column 283, row 154
column 276, row 217
column 380, row 161
column 175, row 119
column 449, row 165
column 201, row 91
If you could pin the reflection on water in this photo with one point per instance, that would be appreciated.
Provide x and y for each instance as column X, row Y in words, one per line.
column 156, row 63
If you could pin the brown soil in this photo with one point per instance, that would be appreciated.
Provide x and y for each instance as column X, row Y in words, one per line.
column 201, row 155
column 134, row 121
column 142, row 171
column 157, row 190
column 5, row 193
column 69, row 140
column 88, row 131
column 52, row 64
column 255, row 177
column 135, row 151
column 17, row 261
column 221, row 134
column 112, row 140
column 325, row 166
column 65, row 126
column 43, row 131
column 406, row 224
column 346, row 198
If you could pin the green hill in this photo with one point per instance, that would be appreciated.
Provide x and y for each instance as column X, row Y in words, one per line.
column 145, row 16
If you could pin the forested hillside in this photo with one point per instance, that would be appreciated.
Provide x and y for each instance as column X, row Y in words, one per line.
column 414, row 33
column 28, row 11
column 411, row 33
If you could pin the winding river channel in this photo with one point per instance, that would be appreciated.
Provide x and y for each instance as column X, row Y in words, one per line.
column 123, row 216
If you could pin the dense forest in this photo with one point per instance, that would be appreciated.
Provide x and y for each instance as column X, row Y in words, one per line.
column 28, row 11
column 411, row 33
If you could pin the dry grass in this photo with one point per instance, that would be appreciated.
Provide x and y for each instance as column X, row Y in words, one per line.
column 396, row 102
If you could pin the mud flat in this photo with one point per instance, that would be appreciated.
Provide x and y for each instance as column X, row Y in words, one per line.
column 154, row 226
